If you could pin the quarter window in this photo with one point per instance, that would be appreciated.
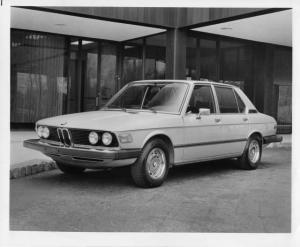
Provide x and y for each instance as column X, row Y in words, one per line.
column 226, row 99
column 240, row 102
column 201, row 98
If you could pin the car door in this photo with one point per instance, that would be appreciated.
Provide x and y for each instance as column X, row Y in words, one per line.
column 233, row 120
column 200, row 131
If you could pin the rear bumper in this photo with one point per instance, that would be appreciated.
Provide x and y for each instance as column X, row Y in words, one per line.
column 89, row 158
column 272, row 138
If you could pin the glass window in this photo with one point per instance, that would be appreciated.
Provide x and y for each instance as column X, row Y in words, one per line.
column 131, row 98
column 39, row 81
column 90, row 50
column 201, row 98
column 132, row 63
column 240, row 102
column 284, row 114
column 208, row 59
column 191, row 58
column 108, row 72
column 155, row 62
column 226, row 99
column 236, row 65
column 155, row 97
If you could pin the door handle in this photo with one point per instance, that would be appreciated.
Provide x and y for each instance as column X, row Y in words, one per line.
column 217, row 120
column 245, row 119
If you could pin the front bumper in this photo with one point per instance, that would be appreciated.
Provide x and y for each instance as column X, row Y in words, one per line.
column 85, row 157
column 272, row 138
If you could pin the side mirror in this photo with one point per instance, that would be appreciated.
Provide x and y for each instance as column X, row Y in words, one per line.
column 203, row 112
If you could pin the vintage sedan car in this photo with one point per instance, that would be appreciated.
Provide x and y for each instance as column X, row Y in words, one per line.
column 155, row 125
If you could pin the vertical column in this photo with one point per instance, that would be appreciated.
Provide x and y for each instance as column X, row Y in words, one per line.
column 176, row 54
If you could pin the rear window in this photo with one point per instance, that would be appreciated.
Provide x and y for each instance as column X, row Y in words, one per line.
column 226, row 99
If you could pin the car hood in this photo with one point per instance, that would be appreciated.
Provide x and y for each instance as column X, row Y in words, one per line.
column 111, row 120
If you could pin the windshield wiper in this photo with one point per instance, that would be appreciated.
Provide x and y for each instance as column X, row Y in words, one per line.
column 115, row 109
column 151, row 109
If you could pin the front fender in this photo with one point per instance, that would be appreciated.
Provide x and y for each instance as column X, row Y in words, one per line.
column 156, row 133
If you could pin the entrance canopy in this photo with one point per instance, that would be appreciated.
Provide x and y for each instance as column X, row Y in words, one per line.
column 274, row 28
column 77, row 26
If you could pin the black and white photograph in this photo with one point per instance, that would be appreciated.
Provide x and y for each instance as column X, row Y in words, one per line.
column 145, row 123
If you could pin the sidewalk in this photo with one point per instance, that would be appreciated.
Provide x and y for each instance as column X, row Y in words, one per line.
column 25, row 162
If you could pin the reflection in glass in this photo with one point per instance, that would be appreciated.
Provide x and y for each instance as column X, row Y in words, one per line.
column 108, row 79
column 208, row 59
column 39, row 82
column 164, row 97
column 90, row 84
column 132, row 63
column 155, row 62
column 191, row 58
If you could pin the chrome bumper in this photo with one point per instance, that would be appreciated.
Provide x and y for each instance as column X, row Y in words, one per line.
column 272, row 138
column 89, row 158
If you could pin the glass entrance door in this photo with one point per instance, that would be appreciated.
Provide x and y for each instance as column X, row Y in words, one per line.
column 109, row 78
column 99, row 74
column 90, row 75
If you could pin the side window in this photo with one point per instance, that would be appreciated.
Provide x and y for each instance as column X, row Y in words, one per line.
column 201, row 98
column 240, row 102
column 226, row 99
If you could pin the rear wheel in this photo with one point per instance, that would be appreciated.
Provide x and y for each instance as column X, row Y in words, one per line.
column 70, row 169
column 252, row 154
column 151, row 168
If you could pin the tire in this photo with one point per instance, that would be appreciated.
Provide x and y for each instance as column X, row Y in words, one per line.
column 152, row 167
column 70, row 169
column 252, row 154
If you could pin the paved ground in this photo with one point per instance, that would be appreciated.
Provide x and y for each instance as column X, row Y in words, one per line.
column 20, row 156
column 212, row 197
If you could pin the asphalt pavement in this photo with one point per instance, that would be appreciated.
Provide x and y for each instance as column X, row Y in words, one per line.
column 207, row 197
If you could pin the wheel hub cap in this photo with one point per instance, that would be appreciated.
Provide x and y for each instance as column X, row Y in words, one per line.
column 254, row 151
column 156, row 163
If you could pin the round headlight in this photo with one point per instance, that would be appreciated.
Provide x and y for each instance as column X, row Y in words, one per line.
column 106, row 138
column 46, row 132
column 40, row 131
column 93, row 137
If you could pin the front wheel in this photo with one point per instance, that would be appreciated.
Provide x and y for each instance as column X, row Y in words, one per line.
column 252, row 154
column 151, row 168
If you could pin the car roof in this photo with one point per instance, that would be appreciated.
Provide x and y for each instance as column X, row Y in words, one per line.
column 192, row 82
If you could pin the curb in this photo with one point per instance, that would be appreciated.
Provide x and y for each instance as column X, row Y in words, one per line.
column 279, row 145
column 29, row 170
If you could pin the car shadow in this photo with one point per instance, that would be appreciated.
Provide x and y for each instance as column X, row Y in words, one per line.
column 203, row 169
column 119, row 177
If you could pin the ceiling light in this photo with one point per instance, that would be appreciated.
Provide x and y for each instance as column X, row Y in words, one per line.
column 83, row 42
column 226, row 28
column 60, row 24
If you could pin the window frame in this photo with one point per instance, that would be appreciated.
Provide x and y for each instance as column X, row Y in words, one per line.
column 217, row 101
column 216, row 107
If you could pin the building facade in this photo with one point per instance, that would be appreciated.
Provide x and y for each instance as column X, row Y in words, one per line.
column 60, row 72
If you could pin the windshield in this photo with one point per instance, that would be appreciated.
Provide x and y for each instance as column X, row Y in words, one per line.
column 154, row 97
